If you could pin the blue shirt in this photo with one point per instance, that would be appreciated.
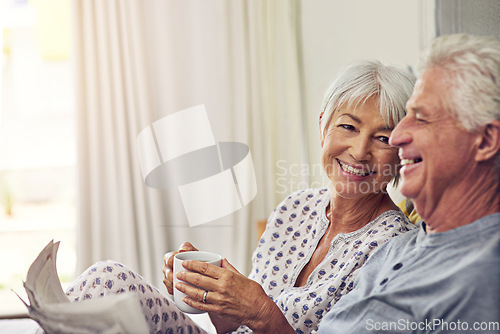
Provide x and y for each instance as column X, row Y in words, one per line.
column 425, row 283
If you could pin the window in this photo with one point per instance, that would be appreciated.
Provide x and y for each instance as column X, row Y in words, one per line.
column 37, row 142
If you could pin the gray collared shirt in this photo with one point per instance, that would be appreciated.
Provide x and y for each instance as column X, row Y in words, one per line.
column 426, row 283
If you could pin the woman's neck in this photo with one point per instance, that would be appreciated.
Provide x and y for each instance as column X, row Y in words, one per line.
column 350, row 214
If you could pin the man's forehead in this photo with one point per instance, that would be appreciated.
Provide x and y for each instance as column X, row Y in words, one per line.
column 429, row 90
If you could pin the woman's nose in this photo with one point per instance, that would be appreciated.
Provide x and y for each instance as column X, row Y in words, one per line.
column 360, row 149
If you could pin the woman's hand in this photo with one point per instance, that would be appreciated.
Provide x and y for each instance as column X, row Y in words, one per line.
column 168, row 265
column 231, row 296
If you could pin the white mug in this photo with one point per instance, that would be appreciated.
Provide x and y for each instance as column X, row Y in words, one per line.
column 210, row 258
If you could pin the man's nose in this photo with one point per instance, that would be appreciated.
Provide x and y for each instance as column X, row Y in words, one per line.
column 400, row 135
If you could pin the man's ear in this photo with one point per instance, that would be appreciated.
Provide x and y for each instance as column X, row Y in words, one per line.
column 489, row 141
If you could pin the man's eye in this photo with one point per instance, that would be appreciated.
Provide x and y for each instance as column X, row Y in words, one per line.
column 420, row 119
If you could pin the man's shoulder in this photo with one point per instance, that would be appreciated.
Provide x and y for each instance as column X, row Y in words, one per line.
column 401, row 242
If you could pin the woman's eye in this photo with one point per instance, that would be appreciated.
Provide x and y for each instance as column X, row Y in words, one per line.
column 347, row 127
column 384, row 139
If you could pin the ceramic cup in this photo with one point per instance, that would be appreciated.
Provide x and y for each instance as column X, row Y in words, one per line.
column 210, row 258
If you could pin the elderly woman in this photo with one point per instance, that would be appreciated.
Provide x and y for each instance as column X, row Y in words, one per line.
column 316, row 239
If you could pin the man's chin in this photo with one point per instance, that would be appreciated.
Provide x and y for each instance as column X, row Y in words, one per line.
column 408, row 190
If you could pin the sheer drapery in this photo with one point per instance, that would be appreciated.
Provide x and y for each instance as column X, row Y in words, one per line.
column 115, row 213
column 138, row 61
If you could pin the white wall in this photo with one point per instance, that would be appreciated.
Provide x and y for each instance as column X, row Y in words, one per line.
column 335, row 32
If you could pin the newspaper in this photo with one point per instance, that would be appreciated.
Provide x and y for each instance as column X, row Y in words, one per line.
column 51, row 308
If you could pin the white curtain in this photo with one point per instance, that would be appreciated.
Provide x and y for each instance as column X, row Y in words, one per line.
column 138, row 61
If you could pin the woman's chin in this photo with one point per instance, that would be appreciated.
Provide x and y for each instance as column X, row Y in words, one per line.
column 350, row 194
column 357, row 193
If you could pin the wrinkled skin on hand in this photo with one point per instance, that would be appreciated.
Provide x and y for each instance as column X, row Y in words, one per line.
column 232, row 299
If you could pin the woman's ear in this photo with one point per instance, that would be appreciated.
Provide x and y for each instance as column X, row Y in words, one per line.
column 489, row 144
column 321, row 137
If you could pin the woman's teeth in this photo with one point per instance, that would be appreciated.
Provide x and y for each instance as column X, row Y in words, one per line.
column 352, row 170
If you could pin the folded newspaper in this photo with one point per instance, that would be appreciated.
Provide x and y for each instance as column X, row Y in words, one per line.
column 52, row 309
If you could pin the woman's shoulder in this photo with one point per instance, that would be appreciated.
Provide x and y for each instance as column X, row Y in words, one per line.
column 303, row 201
column 393, row 220
column 300, row 206
column 307, row 195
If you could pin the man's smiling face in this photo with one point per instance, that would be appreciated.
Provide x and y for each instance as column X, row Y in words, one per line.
column 435, row 151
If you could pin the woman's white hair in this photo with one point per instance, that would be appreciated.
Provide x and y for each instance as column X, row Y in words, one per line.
column 472, row 64
column 362, row 80
column 359, row 81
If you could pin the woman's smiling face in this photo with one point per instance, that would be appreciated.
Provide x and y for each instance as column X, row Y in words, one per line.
column 356, row 154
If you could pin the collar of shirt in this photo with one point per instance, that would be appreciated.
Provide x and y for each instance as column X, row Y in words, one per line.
column 481, row 228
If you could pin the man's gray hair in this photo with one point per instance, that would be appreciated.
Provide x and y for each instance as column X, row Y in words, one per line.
column 473, row 67
column 472, row 64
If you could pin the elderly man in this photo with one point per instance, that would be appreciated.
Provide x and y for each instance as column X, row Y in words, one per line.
column 446, row 276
